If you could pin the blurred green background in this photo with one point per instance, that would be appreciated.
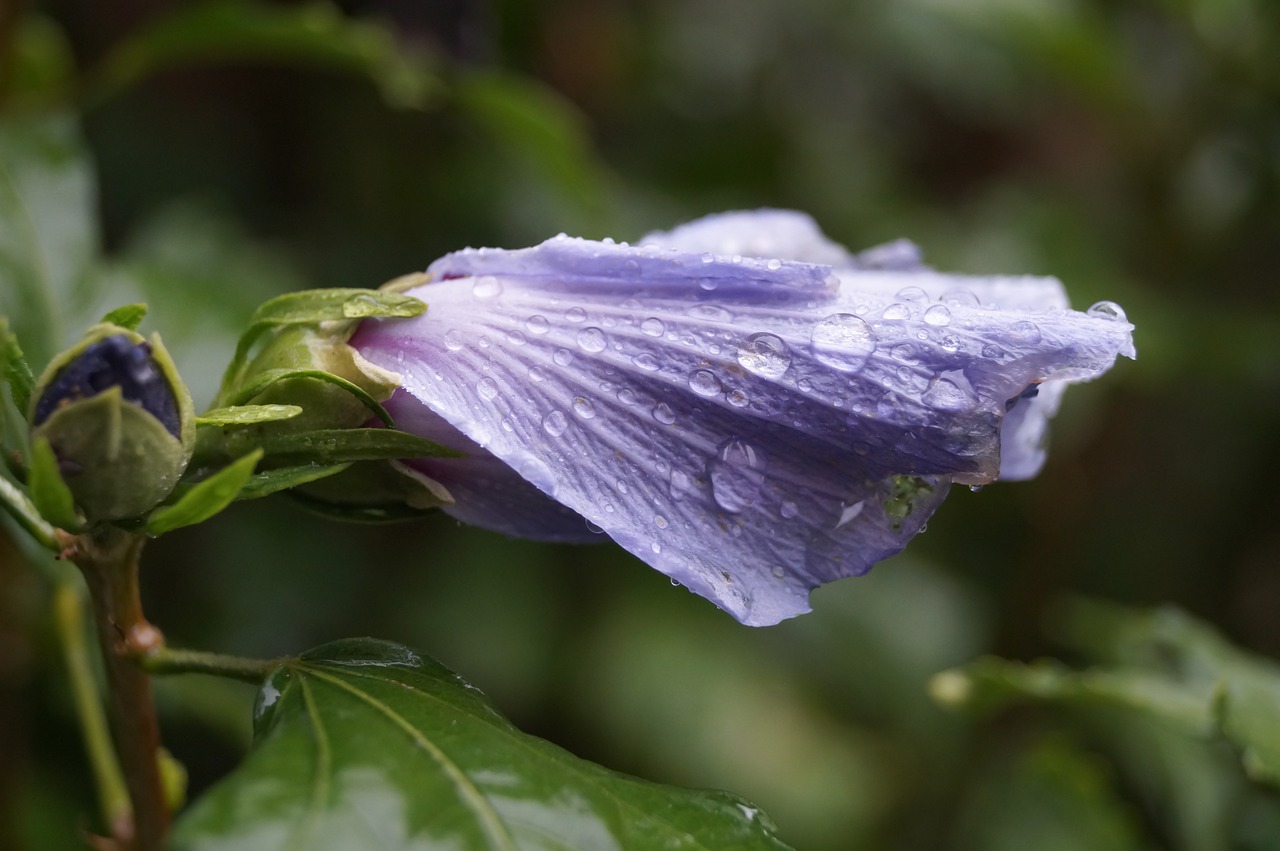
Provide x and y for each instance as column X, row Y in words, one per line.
column 1130, row 148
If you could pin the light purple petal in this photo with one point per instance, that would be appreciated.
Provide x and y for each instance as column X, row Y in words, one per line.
column 751, row 426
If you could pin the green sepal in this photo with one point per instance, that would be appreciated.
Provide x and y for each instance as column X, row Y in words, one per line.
column 205, row 499
column 49, row 491
column 15, row 369
column 242, row 415
column 282, row 478
column 338, row 445
column 128, row 316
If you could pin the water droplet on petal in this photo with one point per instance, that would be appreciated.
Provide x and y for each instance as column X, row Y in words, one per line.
column 562, row 357
column 537, row 373
column 788, row 510
column 765, row 355
column 843, row 341
column 594, row 529
column 591, row 340
column 708, row 284
column 537, row 324
column 738, row 399
column 943, row 394
column 937, row 315
column 737, row 475
column 626, row 397
column 992, row 351
column 453, row 340
column 646, row 361
column 1108, row 310
column 774, row 265
column 582, row 407
column 896, row 311
column 487, row 388
column 515, row 338
column 1025, row 332
column 682, row 484
column 660, row 521
column 534, row 469
column 662, row 413
column 555, row 423
column 486, row 287
column 704, row 383
column 912, row 294
column 710, row 313
column 575, row 314
column 652, row 327
column 960, row 297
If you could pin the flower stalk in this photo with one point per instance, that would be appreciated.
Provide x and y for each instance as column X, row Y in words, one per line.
column 108, row 557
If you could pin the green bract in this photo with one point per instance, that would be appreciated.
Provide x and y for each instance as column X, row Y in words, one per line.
column 119, row 420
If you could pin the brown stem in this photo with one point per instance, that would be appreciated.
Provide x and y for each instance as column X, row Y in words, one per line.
column 108, row 557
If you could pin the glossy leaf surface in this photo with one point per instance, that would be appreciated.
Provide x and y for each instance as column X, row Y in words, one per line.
column 205, row 499
column 127, row 316
column 240, row 415
column 362, row 744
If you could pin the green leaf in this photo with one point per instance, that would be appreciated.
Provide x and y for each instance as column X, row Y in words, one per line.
column 129, row 316
column 205, row 499
column 241, row 415
column 347, row 513
column 48, row 490
column 362, row 744
column 314, row 34
column 311, row 306
column 338, row 445
column 15, row 369
column 48, row 239
column 283, row 478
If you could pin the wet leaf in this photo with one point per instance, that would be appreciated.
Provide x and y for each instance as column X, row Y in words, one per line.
column 241, row 415
column 205, row 499
column 334, row 446
column 129, row 316
column 283, row 478
column 362, row 744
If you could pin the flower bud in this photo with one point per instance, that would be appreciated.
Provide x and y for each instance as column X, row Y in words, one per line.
column 119, row 419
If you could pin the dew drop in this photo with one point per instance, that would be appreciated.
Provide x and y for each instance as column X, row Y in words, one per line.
column 486, row 287
column 774, row 265
column 534, row 469
column 738, row 399
column 652, row 327
column 992, row 352
column 487, row 388
column 1025, row 332
column 682, row 484
column 843, row 341
column 537, row 374
column 943, row 394
column 515, row 338
column 896, row 311
column 937, row 315
column 660, row 521
column 555, row 423
column 710, row 313
column 582, row 407
column 562, row 357
column 453, row 340
column 704, row 383
column 737, row 475
column 591, row 340
column 537, row 324
column 960, row 297
column 626, row 397
column 765, row 355
column 708, row 284
column 646, row 361
column 1108, row 310
column 788, row 510
column 662, row 413
column 575, row 314
column 915, row 295
column 594, row 529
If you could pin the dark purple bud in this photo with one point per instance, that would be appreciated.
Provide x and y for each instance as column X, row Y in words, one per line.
column 114, row 362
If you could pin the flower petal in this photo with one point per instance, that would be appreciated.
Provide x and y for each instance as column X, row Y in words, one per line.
column 751, row 427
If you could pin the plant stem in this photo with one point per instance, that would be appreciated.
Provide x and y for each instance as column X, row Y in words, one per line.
column 113, row 795
column 163, row 661
column 108, row 557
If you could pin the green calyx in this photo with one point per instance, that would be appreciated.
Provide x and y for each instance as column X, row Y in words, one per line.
column 119, row 421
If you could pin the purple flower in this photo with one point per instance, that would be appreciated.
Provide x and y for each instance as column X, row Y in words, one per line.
column 739, row 402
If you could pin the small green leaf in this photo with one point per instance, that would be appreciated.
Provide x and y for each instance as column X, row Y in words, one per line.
column 49, row 492
column 283, row 478
column 128, row 316
column 205, row 499
column 311, row 306
column 15, row 369
column 360, row 727
column 335, row 446
column 241, row 415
